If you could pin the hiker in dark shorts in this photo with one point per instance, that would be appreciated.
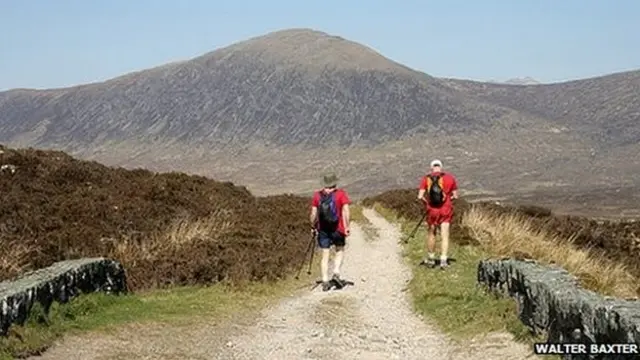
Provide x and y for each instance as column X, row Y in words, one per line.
column 439, row 210
column 330, row 222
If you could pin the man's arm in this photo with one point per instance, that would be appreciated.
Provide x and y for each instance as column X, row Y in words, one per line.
column 346, row 213
column 313, row 217
column 454, row 188
column 422, row 188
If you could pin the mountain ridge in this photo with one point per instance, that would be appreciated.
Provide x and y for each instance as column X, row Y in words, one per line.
column 267, row 106
column 319, row 34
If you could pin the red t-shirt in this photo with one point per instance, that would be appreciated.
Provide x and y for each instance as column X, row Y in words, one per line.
column 449, row 184
column 341, row 199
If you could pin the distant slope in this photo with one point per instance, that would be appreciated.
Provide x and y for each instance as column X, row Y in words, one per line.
column 522, row 81
column 274, row 111
column 606, row 109
column 516, row 81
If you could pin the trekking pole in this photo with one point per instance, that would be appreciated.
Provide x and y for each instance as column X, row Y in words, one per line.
column 313, row 252
column 415, row 230
column 413, row 233
column 309, row 248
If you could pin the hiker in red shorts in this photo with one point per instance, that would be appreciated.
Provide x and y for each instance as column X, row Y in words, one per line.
column 436, row 190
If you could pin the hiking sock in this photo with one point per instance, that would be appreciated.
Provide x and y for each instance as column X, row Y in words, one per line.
column 430, row 258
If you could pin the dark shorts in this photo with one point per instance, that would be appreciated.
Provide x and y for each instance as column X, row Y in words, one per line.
column 326, row 239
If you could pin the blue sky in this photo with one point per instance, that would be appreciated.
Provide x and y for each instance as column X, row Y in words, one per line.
column 55, row 43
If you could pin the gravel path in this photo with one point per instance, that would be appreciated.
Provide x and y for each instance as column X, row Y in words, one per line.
column 371, row 320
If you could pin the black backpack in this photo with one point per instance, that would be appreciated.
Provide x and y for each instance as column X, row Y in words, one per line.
column 328, row 211
column 435, row 193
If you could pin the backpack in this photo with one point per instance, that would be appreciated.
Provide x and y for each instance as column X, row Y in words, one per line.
column 328, row 211
column 435, row 191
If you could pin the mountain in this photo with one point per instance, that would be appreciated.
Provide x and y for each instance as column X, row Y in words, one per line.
column 283, row 88
column 517, row 81
column 275, row 111
column 522, row 81
column 605, row 109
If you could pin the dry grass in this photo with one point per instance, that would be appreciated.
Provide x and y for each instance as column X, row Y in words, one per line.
column 356, row 215
column 181, row 232
column 514, row 235
column 368, row 228
column 188, row 229
column 15, row 256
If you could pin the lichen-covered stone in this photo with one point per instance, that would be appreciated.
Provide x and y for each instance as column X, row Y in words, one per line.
column 550, row 299
column 59, row 282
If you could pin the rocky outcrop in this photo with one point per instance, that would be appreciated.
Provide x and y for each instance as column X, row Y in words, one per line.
column 550, row 300
column 59, row 282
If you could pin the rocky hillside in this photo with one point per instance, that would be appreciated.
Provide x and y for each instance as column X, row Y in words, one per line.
column 275, row 111
column 604, row 110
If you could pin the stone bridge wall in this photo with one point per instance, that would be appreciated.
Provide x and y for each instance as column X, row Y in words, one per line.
column 551, row 301
column 58, row 282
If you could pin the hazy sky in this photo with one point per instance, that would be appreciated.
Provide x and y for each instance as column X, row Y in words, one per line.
column 55, row 43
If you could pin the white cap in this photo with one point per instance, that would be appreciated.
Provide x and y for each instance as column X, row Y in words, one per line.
column 436, row 162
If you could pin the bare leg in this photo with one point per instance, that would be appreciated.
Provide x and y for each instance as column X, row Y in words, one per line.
column 337, row 259
column 444, row 234
column 431, row 242
column 324, row 264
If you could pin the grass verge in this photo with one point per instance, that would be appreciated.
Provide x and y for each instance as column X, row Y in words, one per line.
column 356, row 216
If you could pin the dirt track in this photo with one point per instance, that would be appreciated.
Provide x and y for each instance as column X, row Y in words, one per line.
column 371, row 320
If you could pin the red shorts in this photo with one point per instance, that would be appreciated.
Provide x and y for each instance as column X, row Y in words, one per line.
column 439, row 216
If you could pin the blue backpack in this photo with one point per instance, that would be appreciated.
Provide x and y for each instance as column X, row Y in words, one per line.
column 328, row 211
